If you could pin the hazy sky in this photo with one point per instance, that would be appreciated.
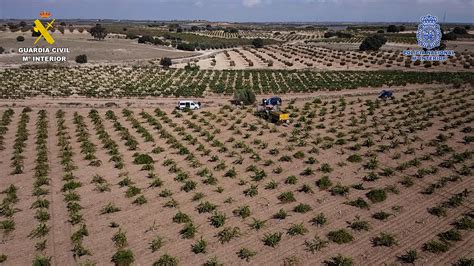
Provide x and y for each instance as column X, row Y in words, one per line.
column 245, row 10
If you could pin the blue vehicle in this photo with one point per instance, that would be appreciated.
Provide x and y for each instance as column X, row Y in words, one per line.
column 274, row 101
column 385, row 94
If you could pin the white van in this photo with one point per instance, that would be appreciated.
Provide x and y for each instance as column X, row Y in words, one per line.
column 191, row 105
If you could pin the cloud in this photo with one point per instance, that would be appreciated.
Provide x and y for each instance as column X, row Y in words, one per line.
column 251, row 3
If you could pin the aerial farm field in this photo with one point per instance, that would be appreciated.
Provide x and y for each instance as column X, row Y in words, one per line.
column 100, row 168
column 355, row 177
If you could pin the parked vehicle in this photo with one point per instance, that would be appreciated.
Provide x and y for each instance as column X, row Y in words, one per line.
column 386, row 94
column 274, row 101
column 191, row 105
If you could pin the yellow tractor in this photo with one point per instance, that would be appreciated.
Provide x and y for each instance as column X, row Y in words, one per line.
column 270, row 110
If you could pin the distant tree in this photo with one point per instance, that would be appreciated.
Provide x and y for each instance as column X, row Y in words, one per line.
column 329, row 34
column 20, row 38
column 81, row 59
column 341, row 34
column 403, row 28
column 63, row 24
column 179, row 29
column 22, row 24
column 246, row 96
column 98, row 32
column 145, row 39
column 186, row 47
column 381, row 31
column 460, row 31
column 450, row 36
column 2, row 50
column 277, row 33
column 373, row 43
column 166, row 62
column 149, row 39
column 258, row 43
column 393, row 28
column 194, row 28
column 208, row 27
column 234, row 30
column 124, row 29
column 467, row 27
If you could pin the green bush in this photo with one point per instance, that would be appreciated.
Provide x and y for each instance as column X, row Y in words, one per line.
column 438, row 211
column 228, row 233
column 286, row 197
column 242, row 211
column 340, row 236
column 340, row 260
column 324, row 183
column 123, row 257
column 120, row 239
column 41, row 260
column 339, row 190
column 181, row 218
column 381, row 215
column 257, row 224
column 360, row 225
column 81, row 59
column 142, row 159
column 156, row 244
column 272, row 240
column 166, row 62
column 359, row 202
column 410, row 257
column 319, row 220
column 373, row 43
column 376, row 195
column 384, row 239
column 258, row 43
column 166, row 260
column 464, row 262
column 212, row 262
column 281, row 214
column 218, row 219
column 205, row 207
column 297, row 229
column 435, row 246
column 315, row 244
column 302, row 208
column 246, row 96
column 246, row 254
column 464, row 223
column 450, row 235
column 200, row 246
column 188, row 231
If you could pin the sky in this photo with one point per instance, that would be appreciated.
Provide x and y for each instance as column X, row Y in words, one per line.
column 245, row 10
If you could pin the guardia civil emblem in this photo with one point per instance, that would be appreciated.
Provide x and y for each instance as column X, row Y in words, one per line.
column 429, row 32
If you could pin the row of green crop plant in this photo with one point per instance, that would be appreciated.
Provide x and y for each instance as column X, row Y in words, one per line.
column 41, row 190
column 70, row 187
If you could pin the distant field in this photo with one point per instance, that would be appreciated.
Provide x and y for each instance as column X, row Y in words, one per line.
column 116, row 81
column 110, row 50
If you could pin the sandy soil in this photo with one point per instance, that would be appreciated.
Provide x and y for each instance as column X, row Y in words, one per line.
column 409, row 221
